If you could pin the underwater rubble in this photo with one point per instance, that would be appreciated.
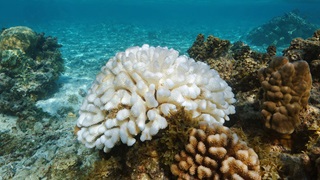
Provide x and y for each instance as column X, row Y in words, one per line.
column 286, row 154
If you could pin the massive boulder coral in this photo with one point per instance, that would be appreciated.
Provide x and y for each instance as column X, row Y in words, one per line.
column 30, row 63
column 137, row 89
column 20, row 37
column 286, row 89
column 215, row 152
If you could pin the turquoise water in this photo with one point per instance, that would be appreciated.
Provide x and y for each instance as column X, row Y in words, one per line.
column 93, row 31
column 147, row 11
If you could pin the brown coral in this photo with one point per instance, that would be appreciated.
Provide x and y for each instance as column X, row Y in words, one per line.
column 223, row 65
column 236, row 63
column 244, row 74
column 213, row 47
column 286, row 91
column 308, row 50
column 215, row 152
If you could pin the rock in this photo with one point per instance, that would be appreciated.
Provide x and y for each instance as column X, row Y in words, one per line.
column 281, row 30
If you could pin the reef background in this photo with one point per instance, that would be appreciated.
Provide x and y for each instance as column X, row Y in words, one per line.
column 91, row 32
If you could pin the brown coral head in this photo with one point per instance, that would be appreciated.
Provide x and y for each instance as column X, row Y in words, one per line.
column 286, row 89
column 215, row 152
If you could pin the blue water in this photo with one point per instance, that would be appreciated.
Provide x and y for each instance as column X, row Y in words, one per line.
column 191, row 15
column 155, row 12
column 197, row 12
column 93, row 31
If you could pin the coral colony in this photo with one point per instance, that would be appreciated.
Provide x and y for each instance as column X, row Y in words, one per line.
column 30, row 64
column 214, row 152
column 137, row 89
column 286, row 91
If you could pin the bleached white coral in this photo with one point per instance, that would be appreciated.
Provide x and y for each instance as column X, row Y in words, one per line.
column 137, row 89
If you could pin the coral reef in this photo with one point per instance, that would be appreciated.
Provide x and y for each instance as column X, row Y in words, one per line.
column 215, row 152
column 29, row 66
column 241, row 51
column 137, row 89
column 304, row 49
column 223, row 65
column 149, row 159
column 175, row 136
column 49, row 150
column 286, row 91
column 281, row 30
column 236, row 63
column 20, row 37
column 213, row 47
column 308, row 50
column 244, row 74
column 281, row 155
column 314, row 154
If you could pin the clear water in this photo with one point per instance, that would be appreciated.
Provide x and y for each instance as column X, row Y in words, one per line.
column 93, row 31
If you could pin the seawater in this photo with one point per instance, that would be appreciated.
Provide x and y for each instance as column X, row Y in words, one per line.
column 93, row 31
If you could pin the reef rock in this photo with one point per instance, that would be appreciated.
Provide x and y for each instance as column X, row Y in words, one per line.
column 213, row 47
column 29, row 66
column 281, row 30
column 236, row 63
column 20, row 37
column 308, row 50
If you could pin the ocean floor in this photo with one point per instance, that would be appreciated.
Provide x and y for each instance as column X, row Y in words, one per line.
column 51, row 150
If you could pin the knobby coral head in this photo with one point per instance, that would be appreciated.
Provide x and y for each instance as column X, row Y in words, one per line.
column 215, row 152
column 137, row 89
column 287, row 89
